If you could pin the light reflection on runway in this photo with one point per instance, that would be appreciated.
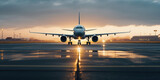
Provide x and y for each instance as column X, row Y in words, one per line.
column 1, row 51
column 135, row 58
column 78, row 61
column 2, row 56
column 119, row 54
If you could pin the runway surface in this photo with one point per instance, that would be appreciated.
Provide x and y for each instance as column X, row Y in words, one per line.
column 51, row 61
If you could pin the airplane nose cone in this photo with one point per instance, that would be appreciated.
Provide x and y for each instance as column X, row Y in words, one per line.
column 79, row 33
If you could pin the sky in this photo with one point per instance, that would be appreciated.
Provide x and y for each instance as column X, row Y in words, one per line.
column 20, row 16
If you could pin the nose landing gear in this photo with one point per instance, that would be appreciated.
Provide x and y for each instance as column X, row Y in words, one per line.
column 88, row 43
column 79, row 42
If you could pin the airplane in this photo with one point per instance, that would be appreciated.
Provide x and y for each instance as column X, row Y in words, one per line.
column 79, row 33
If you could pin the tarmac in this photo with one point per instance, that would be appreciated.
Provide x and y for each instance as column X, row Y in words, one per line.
column 106, row 61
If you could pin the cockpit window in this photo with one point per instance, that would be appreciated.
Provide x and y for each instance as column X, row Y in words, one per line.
column 78, row 27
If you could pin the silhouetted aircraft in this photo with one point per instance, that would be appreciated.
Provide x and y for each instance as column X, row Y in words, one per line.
column 79, row 33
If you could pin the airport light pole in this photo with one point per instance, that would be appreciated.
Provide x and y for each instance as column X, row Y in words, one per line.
column 155, row 32
column 2, row 33
column 13, row 35
column 19, row 35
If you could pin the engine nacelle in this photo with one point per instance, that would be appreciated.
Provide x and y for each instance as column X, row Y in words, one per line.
column 94, row 38
column 63, row 38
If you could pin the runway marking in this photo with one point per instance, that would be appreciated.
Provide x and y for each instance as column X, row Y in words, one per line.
column 131, row 66
column 77, row 72
column 126, row 66
column 35, row 66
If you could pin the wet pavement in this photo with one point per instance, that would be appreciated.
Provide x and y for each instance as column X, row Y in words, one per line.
column 112, row 61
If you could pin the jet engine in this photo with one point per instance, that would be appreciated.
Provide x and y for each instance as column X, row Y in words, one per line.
column 63, row 38
column 94, row 38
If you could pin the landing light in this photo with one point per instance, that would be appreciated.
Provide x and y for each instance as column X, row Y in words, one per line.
column 79, row 38
column 103, row 41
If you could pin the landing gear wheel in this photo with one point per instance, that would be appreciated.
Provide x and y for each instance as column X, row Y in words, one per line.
column 79, row 42
column 88, row 43
column 69, row 43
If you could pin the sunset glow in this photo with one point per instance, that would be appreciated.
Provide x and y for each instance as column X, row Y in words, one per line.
column 135, row 30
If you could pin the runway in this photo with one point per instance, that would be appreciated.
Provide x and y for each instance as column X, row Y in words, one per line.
column 109, row 61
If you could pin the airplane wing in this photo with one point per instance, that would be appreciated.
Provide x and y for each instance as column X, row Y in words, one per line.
column 89, row 35
column 68, row 35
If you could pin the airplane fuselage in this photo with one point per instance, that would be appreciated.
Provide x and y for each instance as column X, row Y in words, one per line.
column 79, row 32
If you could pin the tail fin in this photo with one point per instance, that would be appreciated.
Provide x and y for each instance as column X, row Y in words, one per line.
column 79, row 18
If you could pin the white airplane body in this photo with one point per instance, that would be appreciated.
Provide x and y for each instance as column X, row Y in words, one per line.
column 79, row 33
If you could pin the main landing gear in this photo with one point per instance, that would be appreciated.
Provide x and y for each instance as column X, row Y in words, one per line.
column 88, row 43
column 69, row 43
column 79, row 42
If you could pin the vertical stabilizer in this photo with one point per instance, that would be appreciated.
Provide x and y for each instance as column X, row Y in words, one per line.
column 79, row 18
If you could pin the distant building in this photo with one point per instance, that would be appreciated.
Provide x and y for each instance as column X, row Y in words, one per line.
column 145, row 38
column 15, row 39
column 9, row 38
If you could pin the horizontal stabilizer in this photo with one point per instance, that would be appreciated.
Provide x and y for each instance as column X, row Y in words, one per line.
column 90, row 29
column 67, row 29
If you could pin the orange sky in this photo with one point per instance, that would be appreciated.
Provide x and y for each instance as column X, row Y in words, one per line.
column 20, row 16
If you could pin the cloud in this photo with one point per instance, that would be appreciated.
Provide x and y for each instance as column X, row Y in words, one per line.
column 63, row 13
